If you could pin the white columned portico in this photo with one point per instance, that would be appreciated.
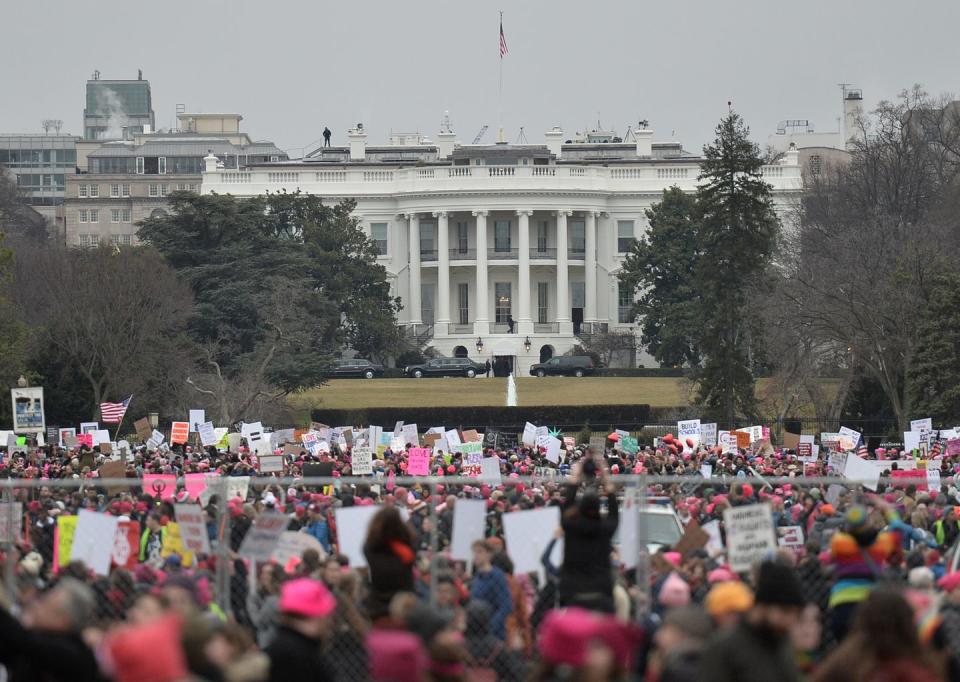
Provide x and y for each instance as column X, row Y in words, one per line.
column 563, row 275
column 524, row 319
column 590, row 268
column 443, row 270
column 481, row 323
column 414, row 303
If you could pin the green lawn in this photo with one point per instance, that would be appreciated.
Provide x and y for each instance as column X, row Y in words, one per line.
column 353, row 393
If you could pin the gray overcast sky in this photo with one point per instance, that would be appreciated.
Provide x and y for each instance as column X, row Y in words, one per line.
column 291, row 67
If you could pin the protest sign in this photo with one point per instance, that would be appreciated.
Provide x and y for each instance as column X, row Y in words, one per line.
column 179, row 432
column 750, row 535
column 552, row 447
column 195, row 484
column 193, row 528
column 238, row 486
column 143, row 428
column 268, row 464
column 629, row 445
column 833, row 493
column 714, row 545
column 263, row 536
column 706, row 470
column 848, row 438
column 63, row 434
column 85, row 439
column 126, row 545
column 162, row 485
column 93, row 540
column 419, row 462
column 953, row 447
column 858, row 470
column 490, row 470
column 291, row 546
column 63, row 541
column 452, row 437
column 472, row 436
column 116, row 469
column 921, row 425
column 529, row 437
column 28, row 414
column 911, row 440
column 743, row 439
column 352, row 523
column 473, row 464
column 727, row 441
column 791, row 441
column 469, row 524
column 628, row 529
column 208, row 435
column 527, row 534
column 904, row 478
column 441, row 445
column 361, row 461
column 253, row 432
column 101, row 436
column 693, row 539
column 89, row 427
column 688, row 429
column 397, row 445
column 195, row 419
column 805, row 452
column 790, row 536
column 708, row 434
column 933, row 479
column 410, row 434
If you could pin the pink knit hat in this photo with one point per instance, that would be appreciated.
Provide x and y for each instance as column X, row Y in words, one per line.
column 674, row 591
column 307, row 597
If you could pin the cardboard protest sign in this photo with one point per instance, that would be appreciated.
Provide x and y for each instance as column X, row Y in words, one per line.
column 361, row 461
column 419, row 462
column 263, row 536
column 195, row 419
column 290, row 548
column 208, row 434
column 527, row 534
column 693, row 538
column 472, row 436
column 790, row 536
column 179, row 432
column 143, row 428
column 193, row 528
column 743, row 439
column 791, row 441
column 490, row 470
column 126, row 545
column 117, row 469
column 94, row 539
column 469, row 525
column 750, row 535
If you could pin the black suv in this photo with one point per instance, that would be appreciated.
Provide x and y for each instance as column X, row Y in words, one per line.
column 564, row 366
column 358, row 367
column 446, row 367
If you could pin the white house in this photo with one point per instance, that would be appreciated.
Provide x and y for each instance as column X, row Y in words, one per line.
column 476, row 236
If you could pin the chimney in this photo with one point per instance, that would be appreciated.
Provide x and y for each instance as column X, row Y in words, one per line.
column 852, row 112
column 358, row 143
column 210, row 162
column 554, row 141
column 792, row 156
column 446, row 141
column 644, row 139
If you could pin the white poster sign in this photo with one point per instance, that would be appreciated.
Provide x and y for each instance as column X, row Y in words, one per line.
column 750, row 535
column 269, row 464
column 352, row 523
column 93, row 540
column 89, row 427
column 11, row 517
column 263, row 536
column 197, row 417
column 790, row 536
column 208, row 434
column 490, row 471
column 921, row 425
column 361, row 461
column 689, row 429
column 292, row 545
column 253, row 432
column 452, row 437
column 529, row 437
column 527, row 534
column 708, row 434
column 469, row 524
column 410, row 434
column 28, row 416
column 193, row 528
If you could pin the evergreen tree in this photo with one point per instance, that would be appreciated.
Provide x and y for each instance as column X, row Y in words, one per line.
column 661, row 265
column 737, row 236
column 935, row 370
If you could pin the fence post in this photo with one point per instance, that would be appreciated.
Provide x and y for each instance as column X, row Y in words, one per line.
column 10, row 568
column 643, row 558
column 434, row 545
column 223, row 547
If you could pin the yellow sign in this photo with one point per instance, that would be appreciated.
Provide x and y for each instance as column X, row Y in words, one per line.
column 66, row 527
column 173, row 544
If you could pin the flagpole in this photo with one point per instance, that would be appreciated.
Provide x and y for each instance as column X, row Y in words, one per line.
column 500, row 91
column 122, row 417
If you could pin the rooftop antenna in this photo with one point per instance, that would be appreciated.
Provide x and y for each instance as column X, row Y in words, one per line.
column 54, row 124
column 96, row 74
column 522, row 137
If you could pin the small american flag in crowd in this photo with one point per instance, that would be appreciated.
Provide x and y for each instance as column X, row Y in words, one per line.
column 112, row 413
column 862, row 449
column 937, row 449
column 503, row 39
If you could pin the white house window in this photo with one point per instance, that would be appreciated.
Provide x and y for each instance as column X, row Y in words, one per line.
column 125, row 190
column 94, row 215
column 578, row 237
column 501, row 236
column 543, row 228
column 543, row 293
column 163, row 190
column 463, row 239
column 82, row 191
column 114, row 215
column 624, row 304
column 463, row 303
column 501, row 292
column 115, row 190
column 139, row 165
column 162, row 165
column 625, row 236
column 121, row 239
column 94, row 191
column 193, row 187
column 125, row 215
column 378, row 233
column 89, row 240
column 154, row 190
column 82, row 215
column 428, row 293
column 427, row 247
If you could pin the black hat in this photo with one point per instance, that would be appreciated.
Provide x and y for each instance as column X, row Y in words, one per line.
column 778, row 585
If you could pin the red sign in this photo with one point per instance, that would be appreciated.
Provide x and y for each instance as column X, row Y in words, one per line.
column 179, row 432
column 804, row 449
column 85, row 439
column 126, row 545
column 916, row 476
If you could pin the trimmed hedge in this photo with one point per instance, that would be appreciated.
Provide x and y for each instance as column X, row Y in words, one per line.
column 482, row 417
column 641, row 372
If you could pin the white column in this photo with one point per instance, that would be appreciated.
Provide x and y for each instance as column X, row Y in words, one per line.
column 414, row 301
column 590, row 269
column 563, row 275
column 481, row 323
column 524, row 319
column 443, row 270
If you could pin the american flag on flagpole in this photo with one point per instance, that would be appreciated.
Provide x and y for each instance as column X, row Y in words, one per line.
column 112, row 413
column 503, row 39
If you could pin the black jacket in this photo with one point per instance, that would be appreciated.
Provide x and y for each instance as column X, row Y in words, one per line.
column 294, row 656
column 586, row 578
column 35, row 656
column 389, row 574
column 745, row 654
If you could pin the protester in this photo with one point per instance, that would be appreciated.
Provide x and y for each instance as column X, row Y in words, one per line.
column 490, row 585
column 390, row 556
column 303, row 623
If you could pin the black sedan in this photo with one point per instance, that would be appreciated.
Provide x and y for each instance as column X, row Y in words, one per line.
column 446, row 367
column 359, row 368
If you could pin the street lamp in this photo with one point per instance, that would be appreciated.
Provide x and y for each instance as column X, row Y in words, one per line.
column 154, row 419
column 22, row 382
column 479, row 344
column 527, row 344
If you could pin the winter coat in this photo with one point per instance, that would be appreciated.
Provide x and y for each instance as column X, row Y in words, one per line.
column 294, row 656
column 35, row 656
column 391, row 571
column 585, row 577
column 744, row 654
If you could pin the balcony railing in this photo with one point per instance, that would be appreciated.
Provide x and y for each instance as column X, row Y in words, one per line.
column 503, row 254
column 459, row 329
column 574, row 253
column 537, row 253
column 463, row 254
column 428, row 255
column 420, row 333
column 546, row 328
column 502, row 328
column 587, row 328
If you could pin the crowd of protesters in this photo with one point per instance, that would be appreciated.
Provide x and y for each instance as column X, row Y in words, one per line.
column 870, row 595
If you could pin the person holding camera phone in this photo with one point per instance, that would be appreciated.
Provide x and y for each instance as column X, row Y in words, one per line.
column 585, row 577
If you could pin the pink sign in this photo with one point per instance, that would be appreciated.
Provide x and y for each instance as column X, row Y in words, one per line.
column 953, row 447
column 164, row 485
column 85, row 439
column 419, row 464
column 916, row 476
column 195, row 484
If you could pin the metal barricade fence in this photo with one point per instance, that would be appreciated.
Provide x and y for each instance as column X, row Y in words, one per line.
column 231, row 549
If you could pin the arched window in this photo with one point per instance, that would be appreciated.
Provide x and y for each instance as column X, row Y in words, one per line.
column 460, row 352
column 546, row 352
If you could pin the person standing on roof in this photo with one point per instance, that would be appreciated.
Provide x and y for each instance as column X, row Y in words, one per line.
column 326, row 136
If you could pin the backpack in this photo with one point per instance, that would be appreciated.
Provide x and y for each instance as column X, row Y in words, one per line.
column 480, row 671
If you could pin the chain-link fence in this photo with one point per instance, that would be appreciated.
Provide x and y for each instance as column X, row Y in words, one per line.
column 486, row 557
